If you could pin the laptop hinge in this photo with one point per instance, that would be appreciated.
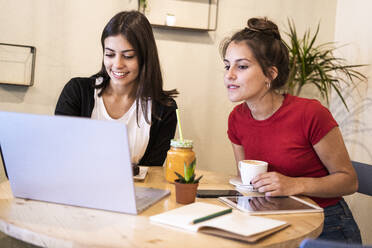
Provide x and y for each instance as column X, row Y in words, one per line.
column 2, row 159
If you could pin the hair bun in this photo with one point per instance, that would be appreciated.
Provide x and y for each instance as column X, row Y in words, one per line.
column 265, row 26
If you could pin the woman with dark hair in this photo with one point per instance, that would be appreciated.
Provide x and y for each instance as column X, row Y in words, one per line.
column 298, row 137
column 128, row 89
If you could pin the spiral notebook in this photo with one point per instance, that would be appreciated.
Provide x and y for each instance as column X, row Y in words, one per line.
column 228, row 225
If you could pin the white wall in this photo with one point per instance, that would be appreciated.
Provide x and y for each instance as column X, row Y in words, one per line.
column 66, row 34
column 353, row 28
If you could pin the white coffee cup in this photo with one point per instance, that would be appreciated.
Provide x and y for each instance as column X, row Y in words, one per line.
column 250, row 169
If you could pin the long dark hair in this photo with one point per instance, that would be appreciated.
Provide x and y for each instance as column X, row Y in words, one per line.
column 135, row 27
column 263, row 38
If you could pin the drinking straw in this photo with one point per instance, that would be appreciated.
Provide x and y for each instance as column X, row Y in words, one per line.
column 179, row 124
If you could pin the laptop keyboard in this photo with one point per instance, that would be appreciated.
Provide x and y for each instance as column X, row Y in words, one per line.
column 142, row 195
column 145, row 197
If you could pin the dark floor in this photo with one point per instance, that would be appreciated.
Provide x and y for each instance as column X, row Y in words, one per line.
column 8, row 242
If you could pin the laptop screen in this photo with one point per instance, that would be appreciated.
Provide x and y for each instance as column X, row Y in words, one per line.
column 68, row 160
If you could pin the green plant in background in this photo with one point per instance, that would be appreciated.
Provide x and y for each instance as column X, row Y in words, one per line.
column 317, row 65
column 142, row 5
column 189, row 171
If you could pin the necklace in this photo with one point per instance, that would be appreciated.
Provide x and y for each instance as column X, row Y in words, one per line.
column 275, row 105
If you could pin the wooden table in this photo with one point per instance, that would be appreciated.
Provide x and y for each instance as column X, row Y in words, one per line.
column 54, row 225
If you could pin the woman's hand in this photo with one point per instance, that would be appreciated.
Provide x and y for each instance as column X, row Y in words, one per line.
column 276, row 184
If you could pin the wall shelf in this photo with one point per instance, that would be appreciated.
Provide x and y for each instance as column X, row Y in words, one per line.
column 17, row 64
column 194, row 15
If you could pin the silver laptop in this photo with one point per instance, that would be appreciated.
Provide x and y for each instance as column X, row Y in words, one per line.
column 74, row 161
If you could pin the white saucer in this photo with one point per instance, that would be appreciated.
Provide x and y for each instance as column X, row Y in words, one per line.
column 237, row 181
column 245, row 189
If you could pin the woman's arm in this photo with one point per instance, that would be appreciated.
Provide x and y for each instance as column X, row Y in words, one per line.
column 77, row 98
column 69, row 101
column 342, row 179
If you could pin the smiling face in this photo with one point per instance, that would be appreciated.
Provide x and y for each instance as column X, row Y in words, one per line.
column 244, row 78
column 121, row 61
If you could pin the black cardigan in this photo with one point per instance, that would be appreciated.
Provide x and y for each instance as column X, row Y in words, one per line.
column 77, row 99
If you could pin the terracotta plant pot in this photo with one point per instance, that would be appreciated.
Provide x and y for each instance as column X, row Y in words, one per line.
column 185, row 192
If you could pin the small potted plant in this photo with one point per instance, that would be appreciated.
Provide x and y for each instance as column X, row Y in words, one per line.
column 187, row 185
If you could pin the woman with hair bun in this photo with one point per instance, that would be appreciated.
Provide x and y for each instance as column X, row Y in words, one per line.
column 127, row 89
column 298, row 137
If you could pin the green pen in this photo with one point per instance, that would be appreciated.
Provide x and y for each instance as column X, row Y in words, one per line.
column 211, row 216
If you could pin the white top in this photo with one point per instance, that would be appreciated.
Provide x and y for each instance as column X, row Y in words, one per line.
column 138, row 136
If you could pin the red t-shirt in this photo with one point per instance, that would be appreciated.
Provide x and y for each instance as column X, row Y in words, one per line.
column 286, row 139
